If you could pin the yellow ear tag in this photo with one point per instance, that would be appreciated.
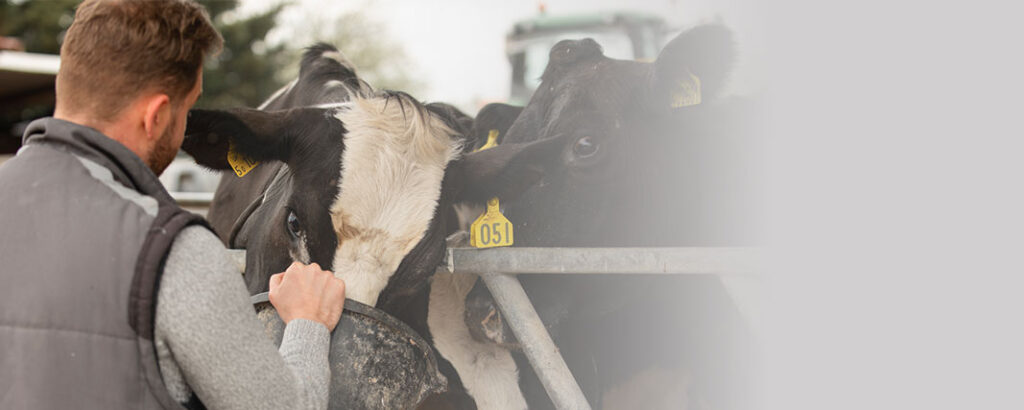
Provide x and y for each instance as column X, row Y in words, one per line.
column 687, row 93
column 492, row 140
column 241, row 164
column 491, row 229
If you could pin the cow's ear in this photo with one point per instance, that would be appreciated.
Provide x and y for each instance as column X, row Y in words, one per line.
column 492, row 117
column 693, row 67
column 505, row 171
column 254, row 134
column 453, row 117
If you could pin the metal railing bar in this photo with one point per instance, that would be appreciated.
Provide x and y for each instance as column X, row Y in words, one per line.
column 710, row 260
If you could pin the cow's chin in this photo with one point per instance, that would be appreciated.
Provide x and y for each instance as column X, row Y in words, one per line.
column 364, row 279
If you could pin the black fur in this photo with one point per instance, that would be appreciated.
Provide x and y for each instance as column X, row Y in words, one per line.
column 660, row 176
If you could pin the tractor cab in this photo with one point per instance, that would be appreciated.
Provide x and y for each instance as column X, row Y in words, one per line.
column 622, row 35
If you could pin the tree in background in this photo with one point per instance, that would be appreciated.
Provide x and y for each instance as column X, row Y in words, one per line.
column 378, row 58
column 39, row 25
column 249, row 69
column 242, row 75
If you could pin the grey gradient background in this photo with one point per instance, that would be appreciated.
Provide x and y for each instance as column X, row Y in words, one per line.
column 895, row 214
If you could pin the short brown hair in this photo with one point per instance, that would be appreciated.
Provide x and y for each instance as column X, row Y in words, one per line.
column 116, row 49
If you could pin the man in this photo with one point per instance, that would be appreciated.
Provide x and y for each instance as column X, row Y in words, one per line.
column 112, row 296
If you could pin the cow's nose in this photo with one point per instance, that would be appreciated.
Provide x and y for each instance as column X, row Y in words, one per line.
column 571, row 51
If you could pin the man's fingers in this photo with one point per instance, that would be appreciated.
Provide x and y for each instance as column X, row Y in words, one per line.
column 275, row 280
column 338, row 287
column 274, row 285
column 308, row 292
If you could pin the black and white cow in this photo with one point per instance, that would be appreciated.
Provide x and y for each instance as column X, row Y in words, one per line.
column 651, row 155
column 360, row 182
column 349, row 178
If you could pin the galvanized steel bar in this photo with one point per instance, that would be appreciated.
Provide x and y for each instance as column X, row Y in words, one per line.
column 500, row 264
column 716, row 261
column 537, row 344
column 193, row 199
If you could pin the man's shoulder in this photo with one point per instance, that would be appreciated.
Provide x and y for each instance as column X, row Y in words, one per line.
column 198, row 239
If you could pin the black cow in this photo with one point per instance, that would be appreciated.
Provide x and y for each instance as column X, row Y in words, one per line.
column 651, row 156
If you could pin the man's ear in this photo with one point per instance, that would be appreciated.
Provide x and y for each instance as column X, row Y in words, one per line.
column 258, row 135
column 505, row 171
column 157, row 116
column 693, row 67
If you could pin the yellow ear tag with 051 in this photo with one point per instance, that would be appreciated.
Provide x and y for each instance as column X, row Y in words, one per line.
column 687, row 92
column 491, row 229
column 241, row 164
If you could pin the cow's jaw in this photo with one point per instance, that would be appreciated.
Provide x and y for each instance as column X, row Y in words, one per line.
column 392, row 167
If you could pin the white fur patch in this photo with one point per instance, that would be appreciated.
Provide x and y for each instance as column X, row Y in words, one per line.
column 486, row 370
column 336, row 105
column 334, row 83
column 391, row 172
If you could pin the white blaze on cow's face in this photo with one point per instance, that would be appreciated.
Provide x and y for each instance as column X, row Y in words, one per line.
column 392, row 167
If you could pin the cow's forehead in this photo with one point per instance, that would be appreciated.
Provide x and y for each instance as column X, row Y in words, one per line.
column 592, row 94
column 392, row 167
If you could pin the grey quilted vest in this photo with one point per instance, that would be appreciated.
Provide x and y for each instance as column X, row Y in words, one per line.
column 85, row 228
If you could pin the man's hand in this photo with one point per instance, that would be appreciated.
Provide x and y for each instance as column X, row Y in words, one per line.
column 307, row 292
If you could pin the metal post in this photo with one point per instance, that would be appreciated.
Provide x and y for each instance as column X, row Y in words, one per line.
column 520, row 315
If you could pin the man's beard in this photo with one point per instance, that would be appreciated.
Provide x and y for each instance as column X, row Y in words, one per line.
column 163, row 153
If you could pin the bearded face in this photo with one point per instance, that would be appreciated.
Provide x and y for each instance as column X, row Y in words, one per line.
column 166, row 147
column 165, row 150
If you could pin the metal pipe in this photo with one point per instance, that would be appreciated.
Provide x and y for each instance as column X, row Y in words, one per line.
column 715, row 261
column 720, row 261
column 548, row 364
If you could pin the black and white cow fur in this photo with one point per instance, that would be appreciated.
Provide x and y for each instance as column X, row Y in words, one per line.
column 360, row 182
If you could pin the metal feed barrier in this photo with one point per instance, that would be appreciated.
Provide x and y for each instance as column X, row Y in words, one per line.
column 498, row 268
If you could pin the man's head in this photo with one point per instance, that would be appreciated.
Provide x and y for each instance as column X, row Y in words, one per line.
column 132, row 69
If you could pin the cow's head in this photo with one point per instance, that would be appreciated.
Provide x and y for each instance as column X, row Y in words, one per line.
column 362, row 183
column 626, row 127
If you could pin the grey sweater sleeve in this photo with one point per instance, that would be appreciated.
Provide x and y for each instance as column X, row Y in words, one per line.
column 209, row 340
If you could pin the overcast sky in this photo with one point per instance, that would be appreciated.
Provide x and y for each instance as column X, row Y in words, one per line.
column 457, row 47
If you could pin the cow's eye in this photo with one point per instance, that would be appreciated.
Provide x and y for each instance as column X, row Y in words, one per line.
column 293, row 224
column 585, row 147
